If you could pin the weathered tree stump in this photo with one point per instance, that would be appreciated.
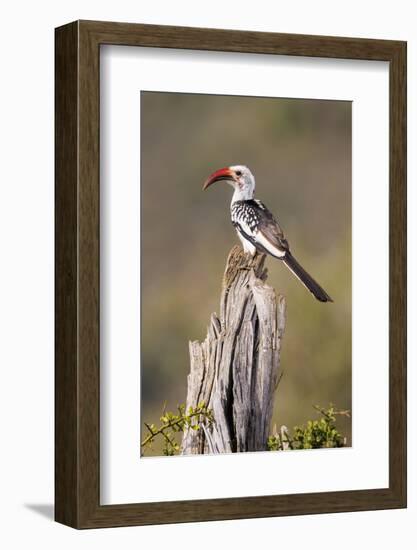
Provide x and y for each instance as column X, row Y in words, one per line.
column 235, row 370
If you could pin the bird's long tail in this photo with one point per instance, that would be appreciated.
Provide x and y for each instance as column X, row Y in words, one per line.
column 305, row 278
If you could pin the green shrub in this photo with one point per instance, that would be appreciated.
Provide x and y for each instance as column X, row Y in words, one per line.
column 316, row 434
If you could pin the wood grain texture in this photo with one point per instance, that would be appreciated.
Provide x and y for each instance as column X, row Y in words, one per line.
column 398, row 274
column 234, row 371
column 78, row 285
column 66, row 236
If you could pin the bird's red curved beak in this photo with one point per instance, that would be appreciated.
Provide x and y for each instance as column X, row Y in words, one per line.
column 219, row 175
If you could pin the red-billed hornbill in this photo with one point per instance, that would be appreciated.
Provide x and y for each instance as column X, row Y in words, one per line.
column 257, row 228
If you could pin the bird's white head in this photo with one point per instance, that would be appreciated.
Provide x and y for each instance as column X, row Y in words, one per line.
column 239, row 177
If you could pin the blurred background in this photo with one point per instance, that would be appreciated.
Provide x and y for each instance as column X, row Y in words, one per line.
column 300, row 154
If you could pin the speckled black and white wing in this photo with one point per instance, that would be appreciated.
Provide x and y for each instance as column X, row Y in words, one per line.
column 255, row 223
column 259, row 230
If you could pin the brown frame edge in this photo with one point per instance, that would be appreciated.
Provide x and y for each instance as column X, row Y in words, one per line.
column 77, row 377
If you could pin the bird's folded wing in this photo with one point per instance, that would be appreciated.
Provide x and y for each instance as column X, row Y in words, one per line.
column 270, row 235
column 259, row 227
column 273, row 246
column 272, row 242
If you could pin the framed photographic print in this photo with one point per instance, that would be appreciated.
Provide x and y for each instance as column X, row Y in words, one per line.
column 230, row 274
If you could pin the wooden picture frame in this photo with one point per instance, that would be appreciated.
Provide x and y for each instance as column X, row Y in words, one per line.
column 77, row 374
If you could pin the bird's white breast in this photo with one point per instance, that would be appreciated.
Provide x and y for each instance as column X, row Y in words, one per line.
column 248, row 247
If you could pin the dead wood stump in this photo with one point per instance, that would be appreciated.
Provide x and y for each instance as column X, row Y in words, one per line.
column 235, row 370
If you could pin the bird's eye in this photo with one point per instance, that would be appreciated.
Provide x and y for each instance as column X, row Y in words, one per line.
column 238, row 173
